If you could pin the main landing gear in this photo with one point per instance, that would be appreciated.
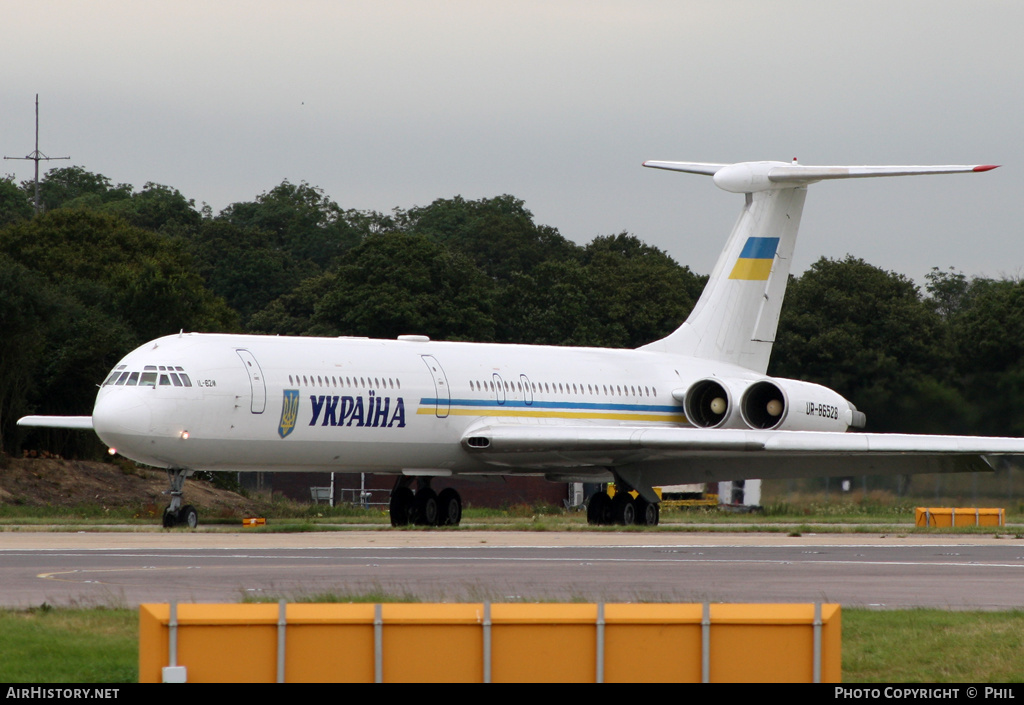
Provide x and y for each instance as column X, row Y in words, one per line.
column 176, row 514
column 424, row 507
column 621, row 509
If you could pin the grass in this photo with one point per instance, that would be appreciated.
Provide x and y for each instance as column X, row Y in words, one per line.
column 932, row 646
column 840, row 521
column 787, row 507
column 64, row 645
column 100, row 645
column 362, row 598
column 795, row 515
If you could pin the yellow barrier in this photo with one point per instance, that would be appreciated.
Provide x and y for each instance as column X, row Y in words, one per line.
column 959, row 516
column 490, row 643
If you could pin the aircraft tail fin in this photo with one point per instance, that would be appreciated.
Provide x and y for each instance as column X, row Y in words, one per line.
column 737, row 315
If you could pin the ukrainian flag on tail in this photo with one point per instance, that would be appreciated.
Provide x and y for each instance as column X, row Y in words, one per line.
column 755, row 261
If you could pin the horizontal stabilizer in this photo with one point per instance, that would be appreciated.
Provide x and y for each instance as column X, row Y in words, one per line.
column 810, row 174
column 751, row 177
column 78, row 422
column 688, row 167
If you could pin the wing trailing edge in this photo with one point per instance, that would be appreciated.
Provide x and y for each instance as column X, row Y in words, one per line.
column 515, row 438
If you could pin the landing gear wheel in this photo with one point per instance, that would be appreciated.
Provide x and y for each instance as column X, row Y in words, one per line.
column 599, row 509
column 401, row 504
column 170, row 518
column 449, row 505
column 623, row 509
column 426, row 507
column 188, row 516
column 647, row 513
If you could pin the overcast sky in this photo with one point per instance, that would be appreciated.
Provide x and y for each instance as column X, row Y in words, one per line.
column 386, row 104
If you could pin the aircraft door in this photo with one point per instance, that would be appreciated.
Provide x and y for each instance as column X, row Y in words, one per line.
column 442, row 395
column 256, row 381
column 527, row 390
column 499, row 388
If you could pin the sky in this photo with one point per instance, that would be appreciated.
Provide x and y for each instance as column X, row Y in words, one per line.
column 395, row 103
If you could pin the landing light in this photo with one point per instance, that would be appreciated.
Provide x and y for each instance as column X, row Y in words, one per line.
column 112, row 450
column 184, row 435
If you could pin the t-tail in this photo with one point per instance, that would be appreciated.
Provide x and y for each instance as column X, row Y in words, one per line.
column 736, row 317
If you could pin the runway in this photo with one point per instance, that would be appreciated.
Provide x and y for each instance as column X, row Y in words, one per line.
column 125, row 569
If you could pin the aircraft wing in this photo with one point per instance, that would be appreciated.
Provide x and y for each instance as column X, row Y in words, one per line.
column 666, row 454
column 78, row 422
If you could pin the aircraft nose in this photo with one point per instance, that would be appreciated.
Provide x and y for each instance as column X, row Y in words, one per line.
column 120, row 415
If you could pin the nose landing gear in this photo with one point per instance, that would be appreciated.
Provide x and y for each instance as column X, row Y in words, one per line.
column 176, row 514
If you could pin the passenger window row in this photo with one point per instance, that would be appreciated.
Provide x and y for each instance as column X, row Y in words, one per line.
column 559, row 388
column 350, row 382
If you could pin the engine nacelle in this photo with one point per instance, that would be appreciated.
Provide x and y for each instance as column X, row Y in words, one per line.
column 710, row 403
column 791, row 405
column 768, row 404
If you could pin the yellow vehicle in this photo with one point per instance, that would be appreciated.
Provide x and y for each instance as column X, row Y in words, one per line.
column 694, row 495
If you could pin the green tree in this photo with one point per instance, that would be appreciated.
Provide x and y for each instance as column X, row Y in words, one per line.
column 24, row 318
column 244, row 266
column 393, row 284
column 618, row 293
column 60, row 187
column 292, row 313
column 550, row 305
column 303, row 221
column 158, row 208
column 13, row 204
column 989, row 354
column 868, row 334
column 53, row 351
column 498, row 233
column 134, row 274
column 640, row 293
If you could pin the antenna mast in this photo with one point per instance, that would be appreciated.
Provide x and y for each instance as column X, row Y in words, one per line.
column 37, row 156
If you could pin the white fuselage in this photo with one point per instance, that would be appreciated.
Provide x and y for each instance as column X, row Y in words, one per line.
column 364, row 405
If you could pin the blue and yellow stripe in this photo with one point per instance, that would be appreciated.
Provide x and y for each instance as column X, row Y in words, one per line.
column 755, row 261
column 556, row 410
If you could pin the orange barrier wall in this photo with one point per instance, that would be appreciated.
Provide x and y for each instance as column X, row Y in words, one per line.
column 959, row 516
column 486, row 642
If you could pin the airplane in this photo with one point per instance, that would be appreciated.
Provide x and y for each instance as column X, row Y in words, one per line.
column 695, row 406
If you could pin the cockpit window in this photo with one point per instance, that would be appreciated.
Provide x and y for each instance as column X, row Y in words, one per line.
column 166, row 377
column 114, row 375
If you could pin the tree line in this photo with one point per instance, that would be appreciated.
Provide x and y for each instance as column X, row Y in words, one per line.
column 105, row 267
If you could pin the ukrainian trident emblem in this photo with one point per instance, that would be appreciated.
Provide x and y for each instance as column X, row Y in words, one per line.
column 289, row 412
